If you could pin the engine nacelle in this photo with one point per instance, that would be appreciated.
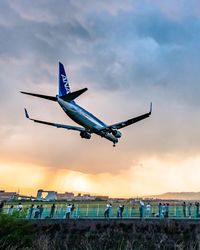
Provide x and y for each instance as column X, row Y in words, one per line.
column 116, row 133
column 85, row 135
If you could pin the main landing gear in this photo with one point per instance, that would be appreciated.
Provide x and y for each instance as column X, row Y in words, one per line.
column 114, row 145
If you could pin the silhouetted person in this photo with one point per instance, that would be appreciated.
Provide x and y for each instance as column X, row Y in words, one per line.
column 107, row 210
column 19, row 207
column 141, row 209
column 72, row 209
column 1, row 206
column 120, row 210
column 68, row 211
column 197, row 209
column 190, row 210
column 52, row 210
column 167, row 210
column 148, row 210
column 30, row 211
column 41, row 211
column 37, row 212
column 163, row 211
column 184, row 209
column 159, row 209
column 10, row 210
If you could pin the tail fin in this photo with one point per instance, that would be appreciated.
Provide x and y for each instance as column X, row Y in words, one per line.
column 64, row 88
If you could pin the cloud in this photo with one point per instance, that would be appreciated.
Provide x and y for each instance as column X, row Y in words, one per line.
column 152, row 176
column 127, row 54
column 178, row 10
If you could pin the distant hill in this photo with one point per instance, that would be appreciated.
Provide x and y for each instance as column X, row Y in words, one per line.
column 177, row 196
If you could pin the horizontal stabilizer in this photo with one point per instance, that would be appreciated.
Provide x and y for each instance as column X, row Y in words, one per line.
column 51, row 98
column 73, row 95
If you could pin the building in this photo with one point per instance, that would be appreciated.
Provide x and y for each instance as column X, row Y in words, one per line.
column 65, row 196
column 85, row 197
column 101, row 197
column 7, row 196
column 88, row 197
column 50, row 195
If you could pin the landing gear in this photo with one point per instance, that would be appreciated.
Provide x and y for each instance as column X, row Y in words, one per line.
column 114, row 145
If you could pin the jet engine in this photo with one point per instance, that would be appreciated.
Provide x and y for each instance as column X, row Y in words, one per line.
column 116, row 133
column 85, row 135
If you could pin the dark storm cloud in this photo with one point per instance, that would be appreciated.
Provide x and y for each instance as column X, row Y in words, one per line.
column 43, row 41
column 148, row 49
column 115, row 49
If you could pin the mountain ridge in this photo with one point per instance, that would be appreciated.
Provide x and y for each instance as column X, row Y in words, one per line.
column 176, row 196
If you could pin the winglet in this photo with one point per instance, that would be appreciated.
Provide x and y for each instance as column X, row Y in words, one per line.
column 150, row 108
column 26, row 114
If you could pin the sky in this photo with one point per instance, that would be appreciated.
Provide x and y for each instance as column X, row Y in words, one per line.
column 128, row 54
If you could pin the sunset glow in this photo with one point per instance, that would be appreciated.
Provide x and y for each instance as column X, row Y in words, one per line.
column 143, row 179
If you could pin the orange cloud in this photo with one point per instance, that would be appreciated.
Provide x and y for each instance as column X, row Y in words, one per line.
column 153, row 176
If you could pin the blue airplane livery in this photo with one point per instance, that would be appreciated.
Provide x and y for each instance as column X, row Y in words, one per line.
column 89, row 123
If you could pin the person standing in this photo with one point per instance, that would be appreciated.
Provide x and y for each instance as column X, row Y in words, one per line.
column 141, row 209
column 197, row 209
column 163, row 215
column 190, row 210
column 68, row 211
column 41, row 209
column 120, row 210
column 184, row 209
column 19, row 207
column 107, row 210
column 160, row 210
column 148, row 210
column 19, row 210
column 167, row 210
column 37, row 212
column 30, row 211
column 10, row 210
column 72, row 209
column 1, row 206
column 53, row 207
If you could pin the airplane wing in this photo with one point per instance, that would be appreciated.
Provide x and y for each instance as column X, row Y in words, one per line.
column 57, row 125
column 126, row 123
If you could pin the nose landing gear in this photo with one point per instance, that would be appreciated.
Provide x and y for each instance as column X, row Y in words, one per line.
column 114, row 145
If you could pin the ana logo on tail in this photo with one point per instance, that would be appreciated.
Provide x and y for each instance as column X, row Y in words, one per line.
column 66, row 85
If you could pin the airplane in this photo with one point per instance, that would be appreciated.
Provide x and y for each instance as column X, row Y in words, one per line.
column 89, row 123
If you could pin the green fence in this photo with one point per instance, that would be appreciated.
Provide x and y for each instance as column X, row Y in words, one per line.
column 97, row 211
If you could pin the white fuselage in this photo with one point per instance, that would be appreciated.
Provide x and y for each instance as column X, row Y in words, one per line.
column 91, row 123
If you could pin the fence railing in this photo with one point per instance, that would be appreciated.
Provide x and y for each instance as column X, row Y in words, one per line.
column 98, row 211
